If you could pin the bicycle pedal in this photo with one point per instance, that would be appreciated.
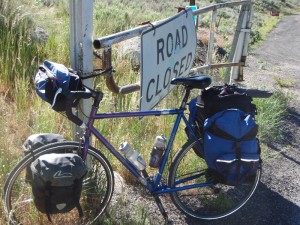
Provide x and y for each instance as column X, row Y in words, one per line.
column 216, row 190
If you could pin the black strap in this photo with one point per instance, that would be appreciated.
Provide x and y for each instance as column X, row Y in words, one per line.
column 79, row 208
column 48, row 200
column 238, row 154
column 76, row 192
column 214, row 129
column 258, row 143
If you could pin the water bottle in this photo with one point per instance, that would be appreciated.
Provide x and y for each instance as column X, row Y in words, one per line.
column 132, row 156
column 157, row 151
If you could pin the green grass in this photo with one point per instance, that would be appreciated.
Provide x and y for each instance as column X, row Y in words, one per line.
column 18, row 54
column 271, row 112
column 284, row 82
column 139, row 217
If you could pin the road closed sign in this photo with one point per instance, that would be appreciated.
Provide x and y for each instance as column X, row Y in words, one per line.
column 167, row 51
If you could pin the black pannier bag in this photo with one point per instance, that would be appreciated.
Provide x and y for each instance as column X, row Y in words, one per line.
column 211, row 101
column 36, row 141
column 57, row 182
column 219, row 98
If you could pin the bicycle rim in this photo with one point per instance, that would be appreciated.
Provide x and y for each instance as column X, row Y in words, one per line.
column 95, row 196
column 211, row 202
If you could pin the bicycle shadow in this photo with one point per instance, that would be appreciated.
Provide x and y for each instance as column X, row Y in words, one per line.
column 292, row 119
column 265, row 207
column 284, row 154
column 291, row 135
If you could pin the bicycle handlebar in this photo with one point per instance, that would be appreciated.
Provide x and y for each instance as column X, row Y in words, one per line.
column 113, row 87
column 72, row 100
column 110, row 82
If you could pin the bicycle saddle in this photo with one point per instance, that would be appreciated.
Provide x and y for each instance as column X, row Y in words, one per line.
column 198, row 81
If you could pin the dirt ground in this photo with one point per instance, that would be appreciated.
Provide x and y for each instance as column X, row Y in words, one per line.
column 277, row 199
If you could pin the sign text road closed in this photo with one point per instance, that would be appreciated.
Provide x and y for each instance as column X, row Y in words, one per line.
column 168, row 51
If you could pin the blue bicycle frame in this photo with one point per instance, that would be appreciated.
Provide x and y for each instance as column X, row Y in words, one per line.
column 153, row 186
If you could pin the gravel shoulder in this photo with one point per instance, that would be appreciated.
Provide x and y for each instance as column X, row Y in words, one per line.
column 277, row 199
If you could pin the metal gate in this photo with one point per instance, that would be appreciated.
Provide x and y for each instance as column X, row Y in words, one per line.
column 237, row 55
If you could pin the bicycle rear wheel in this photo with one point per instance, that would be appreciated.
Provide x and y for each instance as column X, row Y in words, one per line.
column 96, row 192
column 211, row 201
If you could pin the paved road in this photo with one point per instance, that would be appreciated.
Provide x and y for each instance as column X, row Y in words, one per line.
column 277, row 199
column 279, row 59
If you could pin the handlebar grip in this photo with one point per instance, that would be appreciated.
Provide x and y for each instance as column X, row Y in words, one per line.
column 129, row 88
column 112, row 86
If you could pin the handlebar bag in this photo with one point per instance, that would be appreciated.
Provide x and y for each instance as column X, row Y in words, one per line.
column 57, row 182
column 53, row 83
column 231, row 149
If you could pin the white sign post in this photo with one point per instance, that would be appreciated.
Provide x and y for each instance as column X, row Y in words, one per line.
column 168, row 51
column 81, row 44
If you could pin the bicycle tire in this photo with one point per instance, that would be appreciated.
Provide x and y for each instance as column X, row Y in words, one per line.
column 96, row 193
column 211, row 202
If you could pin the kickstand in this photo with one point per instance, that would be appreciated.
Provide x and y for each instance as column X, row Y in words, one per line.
column 162, row 210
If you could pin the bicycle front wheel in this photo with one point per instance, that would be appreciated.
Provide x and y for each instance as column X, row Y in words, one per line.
column 210, row 201
column 96, row 192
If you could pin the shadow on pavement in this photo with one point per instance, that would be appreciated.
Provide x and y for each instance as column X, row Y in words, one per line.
column 266, row 207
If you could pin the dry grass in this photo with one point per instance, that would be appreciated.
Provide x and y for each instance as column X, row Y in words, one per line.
column 203, row 35
column 284, row 82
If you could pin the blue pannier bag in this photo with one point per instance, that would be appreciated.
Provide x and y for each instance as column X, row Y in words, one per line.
column 193, row 121
column 231, row 149
column 53, row 83
column 196, row 126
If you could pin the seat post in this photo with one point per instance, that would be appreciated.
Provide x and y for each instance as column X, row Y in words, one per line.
column 185, row 97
